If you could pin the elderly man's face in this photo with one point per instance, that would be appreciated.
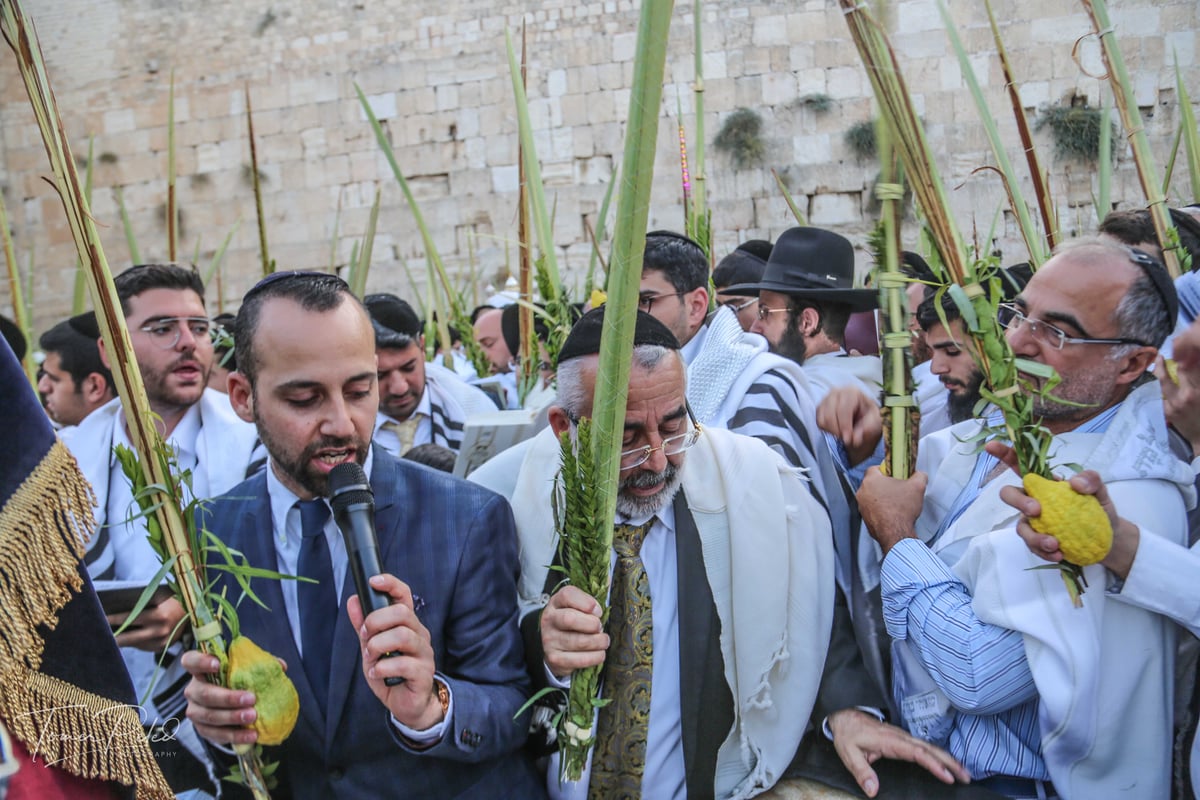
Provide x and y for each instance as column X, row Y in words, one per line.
column 656, row 410
column 1077, row 292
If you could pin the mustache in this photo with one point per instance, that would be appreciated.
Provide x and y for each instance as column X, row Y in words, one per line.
column 646, row 480
column 330, row 444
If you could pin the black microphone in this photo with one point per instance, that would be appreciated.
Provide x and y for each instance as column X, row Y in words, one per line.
column 353, row 504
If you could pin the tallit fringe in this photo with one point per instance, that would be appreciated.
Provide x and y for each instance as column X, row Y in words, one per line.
column 43, row 528
column 760, row 695
column 83, row 733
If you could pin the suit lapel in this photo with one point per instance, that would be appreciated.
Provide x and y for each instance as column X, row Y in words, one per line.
column 347, row 654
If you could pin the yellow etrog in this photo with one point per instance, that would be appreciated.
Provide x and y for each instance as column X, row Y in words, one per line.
column 253, row 669
column 1082, row 528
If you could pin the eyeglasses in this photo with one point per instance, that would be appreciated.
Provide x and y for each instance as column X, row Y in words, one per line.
column 1010, row 317
column 166, row 332
column 764, row 312
column 671, row 446
column 646, row 301
column 737, row 307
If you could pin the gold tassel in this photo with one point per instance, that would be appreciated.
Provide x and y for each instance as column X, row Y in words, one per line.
column 83, row 733
column 44, row 527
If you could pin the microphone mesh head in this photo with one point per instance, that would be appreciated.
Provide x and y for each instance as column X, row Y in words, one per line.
column 348, row 485
column 350, row 497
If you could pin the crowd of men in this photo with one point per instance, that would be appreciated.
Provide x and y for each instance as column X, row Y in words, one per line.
column 779, row 608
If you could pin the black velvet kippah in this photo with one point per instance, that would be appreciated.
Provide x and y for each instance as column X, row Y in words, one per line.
column 584, row 338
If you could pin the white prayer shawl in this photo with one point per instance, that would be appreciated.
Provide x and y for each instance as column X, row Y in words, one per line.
column 932, row 399
column 769, row 561
column 728, row 362
column 452, row 401
column 828, row 370
column 1104, row 672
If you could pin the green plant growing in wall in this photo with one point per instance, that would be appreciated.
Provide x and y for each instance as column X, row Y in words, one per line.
column 1075, row 129
column 819, row 102
column 741, row 139
column 860, row 138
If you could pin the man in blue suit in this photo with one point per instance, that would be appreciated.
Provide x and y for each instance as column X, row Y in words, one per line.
column 307, row 378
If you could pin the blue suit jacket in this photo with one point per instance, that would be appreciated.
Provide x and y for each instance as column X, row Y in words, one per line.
column 454, row 543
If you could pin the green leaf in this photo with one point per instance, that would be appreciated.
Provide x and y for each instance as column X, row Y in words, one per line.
column 147, row 593
column 963, row 303
column 1034, row 368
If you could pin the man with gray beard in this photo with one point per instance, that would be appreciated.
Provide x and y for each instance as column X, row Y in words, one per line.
column 721, row 602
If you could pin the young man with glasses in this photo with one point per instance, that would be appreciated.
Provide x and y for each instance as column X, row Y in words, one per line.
column 737, row 572
column 991, row 657
column 170, row 332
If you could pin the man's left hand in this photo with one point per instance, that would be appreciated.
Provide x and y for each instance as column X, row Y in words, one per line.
column 155, row 629
column 861, row 740
column 396, row 629
column 890, row 506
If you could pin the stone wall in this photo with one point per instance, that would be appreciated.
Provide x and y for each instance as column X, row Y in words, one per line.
column 437, row 74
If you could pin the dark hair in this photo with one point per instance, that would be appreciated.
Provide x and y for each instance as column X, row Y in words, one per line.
column 432, row 455
column 682, row 261
column 744, row 265
column 831, row 317
column 1130, row 227
column 510, row 327
column 479, row 311
column 927, row 312
column 144, row 277
column 78, row 354
column 314, row 291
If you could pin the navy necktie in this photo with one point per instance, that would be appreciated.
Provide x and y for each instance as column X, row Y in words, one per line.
column 318, row 601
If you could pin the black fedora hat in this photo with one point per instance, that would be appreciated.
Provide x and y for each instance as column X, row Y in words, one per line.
column 814, row 264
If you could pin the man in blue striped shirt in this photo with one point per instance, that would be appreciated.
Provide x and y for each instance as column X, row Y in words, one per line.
column 1035, row 697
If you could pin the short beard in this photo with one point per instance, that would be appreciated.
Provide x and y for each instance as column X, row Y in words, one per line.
column 1086, row 395
column 792, row 345
column 636, row 507
column 961, row 405
column 297, row 469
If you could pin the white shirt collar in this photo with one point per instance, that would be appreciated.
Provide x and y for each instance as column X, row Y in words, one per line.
column 184, row 438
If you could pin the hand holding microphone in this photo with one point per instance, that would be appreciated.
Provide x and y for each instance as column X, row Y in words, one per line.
column 353, row 504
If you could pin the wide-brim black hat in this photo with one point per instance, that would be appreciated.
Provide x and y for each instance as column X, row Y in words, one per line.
column 814, row 264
